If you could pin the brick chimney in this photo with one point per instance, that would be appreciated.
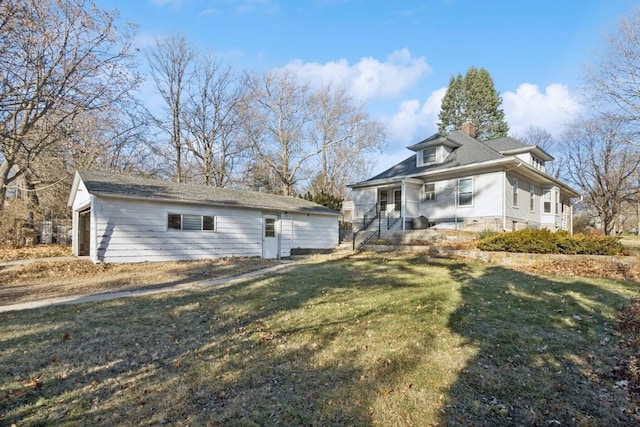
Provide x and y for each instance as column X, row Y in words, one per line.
column 468, row 128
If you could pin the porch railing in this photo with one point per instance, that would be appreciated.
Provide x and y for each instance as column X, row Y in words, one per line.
column 393, row 216
column 369, row 217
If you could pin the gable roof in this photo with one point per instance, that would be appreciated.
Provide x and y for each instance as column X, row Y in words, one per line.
column 130, row 187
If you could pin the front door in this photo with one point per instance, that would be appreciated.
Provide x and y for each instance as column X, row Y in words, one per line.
column 397, row 200
column 84, row 232
column 270, row 238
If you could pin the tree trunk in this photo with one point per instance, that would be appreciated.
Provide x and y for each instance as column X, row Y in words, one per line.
column 5, row 168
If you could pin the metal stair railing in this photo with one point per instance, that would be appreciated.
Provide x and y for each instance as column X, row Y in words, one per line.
column 393, row 216
column 368, row 219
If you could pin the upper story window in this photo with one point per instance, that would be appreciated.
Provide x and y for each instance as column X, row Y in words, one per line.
column 537, row 163
column 429, row 155
column 190, row 222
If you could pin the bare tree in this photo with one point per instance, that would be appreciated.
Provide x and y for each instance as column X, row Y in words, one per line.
column 276, row 117
column 60, row 59
column 535, row 135
column 613, row 82
column 345, row 137
column 210, row 119
column 603, row 166
column 171, row 62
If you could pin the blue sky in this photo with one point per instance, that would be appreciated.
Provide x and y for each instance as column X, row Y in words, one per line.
column 397, row 56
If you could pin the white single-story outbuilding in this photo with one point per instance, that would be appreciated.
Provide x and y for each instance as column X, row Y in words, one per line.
column 119, row 218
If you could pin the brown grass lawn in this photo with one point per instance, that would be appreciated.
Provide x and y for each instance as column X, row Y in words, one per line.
column 368, row 340
column 41, row 280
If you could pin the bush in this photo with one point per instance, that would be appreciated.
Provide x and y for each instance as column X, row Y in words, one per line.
column 486, row 233
column 546, row 242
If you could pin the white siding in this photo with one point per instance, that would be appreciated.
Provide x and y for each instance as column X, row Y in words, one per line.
column 314, row 232
column 136, row 231
column 521, row 213
column 485, row 202
column 133, row 231
column 286, row 235
column 412, row 196
column 82, row 197
column 363, row 200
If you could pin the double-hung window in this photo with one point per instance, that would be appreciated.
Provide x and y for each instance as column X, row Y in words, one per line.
column 429, row 155
column 190, row 222
column 532, row 198
column 465, row 192
column 515, row 193
column 429, row 192
column 546, row 201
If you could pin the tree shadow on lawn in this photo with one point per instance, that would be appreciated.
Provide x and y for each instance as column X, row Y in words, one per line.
column 288, row 350
column 546, row 349
column 339, row 342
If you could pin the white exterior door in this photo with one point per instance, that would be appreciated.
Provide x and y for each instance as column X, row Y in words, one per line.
column 270, row 236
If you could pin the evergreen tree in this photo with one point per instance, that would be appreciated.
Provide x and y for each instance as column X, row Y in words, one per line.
column 473, row 98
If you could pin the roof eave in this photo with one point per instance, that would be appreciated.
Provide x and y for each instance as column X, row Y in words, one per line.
column 210, row 203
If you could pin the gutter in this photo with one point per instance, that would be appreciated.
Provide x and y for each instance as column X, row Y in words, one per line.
column 226, row 205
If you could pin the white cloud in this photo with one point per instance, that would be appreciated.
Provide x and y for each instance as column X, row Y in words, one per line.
column 550, row 110
column 527, row 106
column 369, row 78
column 412, row 121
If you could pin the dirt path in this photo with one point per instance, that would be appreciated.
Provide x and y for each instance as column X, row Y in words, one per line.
column 42, row 280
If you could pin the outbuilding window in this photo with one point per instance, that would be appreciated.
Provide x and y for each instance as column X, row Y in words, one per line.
column 190, row 222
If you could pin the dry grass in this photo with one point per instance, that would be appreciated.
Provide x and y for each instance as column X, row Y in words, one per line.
column 373, row 339
column 43, row 280
column 37, row 251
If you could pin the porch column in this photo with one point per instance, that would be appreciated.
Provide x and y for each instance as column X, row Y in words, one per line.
column 403, row 203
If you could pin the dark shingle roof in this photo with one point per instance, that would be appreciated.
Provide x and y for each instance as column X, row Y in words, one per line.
column 100, row 183
column 506, row 144
column 469, row 151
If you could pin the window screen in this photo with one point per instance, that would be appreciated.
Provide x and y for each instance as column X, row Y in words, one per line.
column 190, row 222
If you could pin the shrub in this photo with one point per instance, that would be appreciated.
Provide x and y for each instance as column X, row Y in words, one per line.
column 546, row 242
column 486, row 233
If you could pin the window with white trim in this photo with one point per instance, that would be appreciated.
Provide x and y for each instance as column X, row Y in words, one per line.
column 429, row 191
column 515, row 193
column 546, row 201
column 532, row 198
column 465, row 192
column 429, row 155
column 190, row 222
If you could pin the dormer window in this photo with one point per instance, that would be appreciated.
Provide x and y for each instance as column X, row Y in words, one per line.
column 429, row 155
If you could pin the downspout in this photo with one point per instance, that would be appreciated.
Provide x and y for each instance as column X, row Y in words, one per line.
column 570, row 218
column 403, row 201
column 504, row 200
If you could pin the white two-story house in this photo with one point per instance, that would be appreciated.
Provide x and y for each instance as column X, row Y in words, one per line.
column 456, row 181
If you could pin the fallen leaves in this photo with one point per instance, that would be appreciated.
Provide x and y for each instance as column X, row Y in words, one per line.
column 584, row 268
column 37, row 251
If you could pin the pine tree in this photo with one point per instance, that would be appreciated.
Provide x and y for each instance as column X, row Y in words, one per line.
column 473, row 98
